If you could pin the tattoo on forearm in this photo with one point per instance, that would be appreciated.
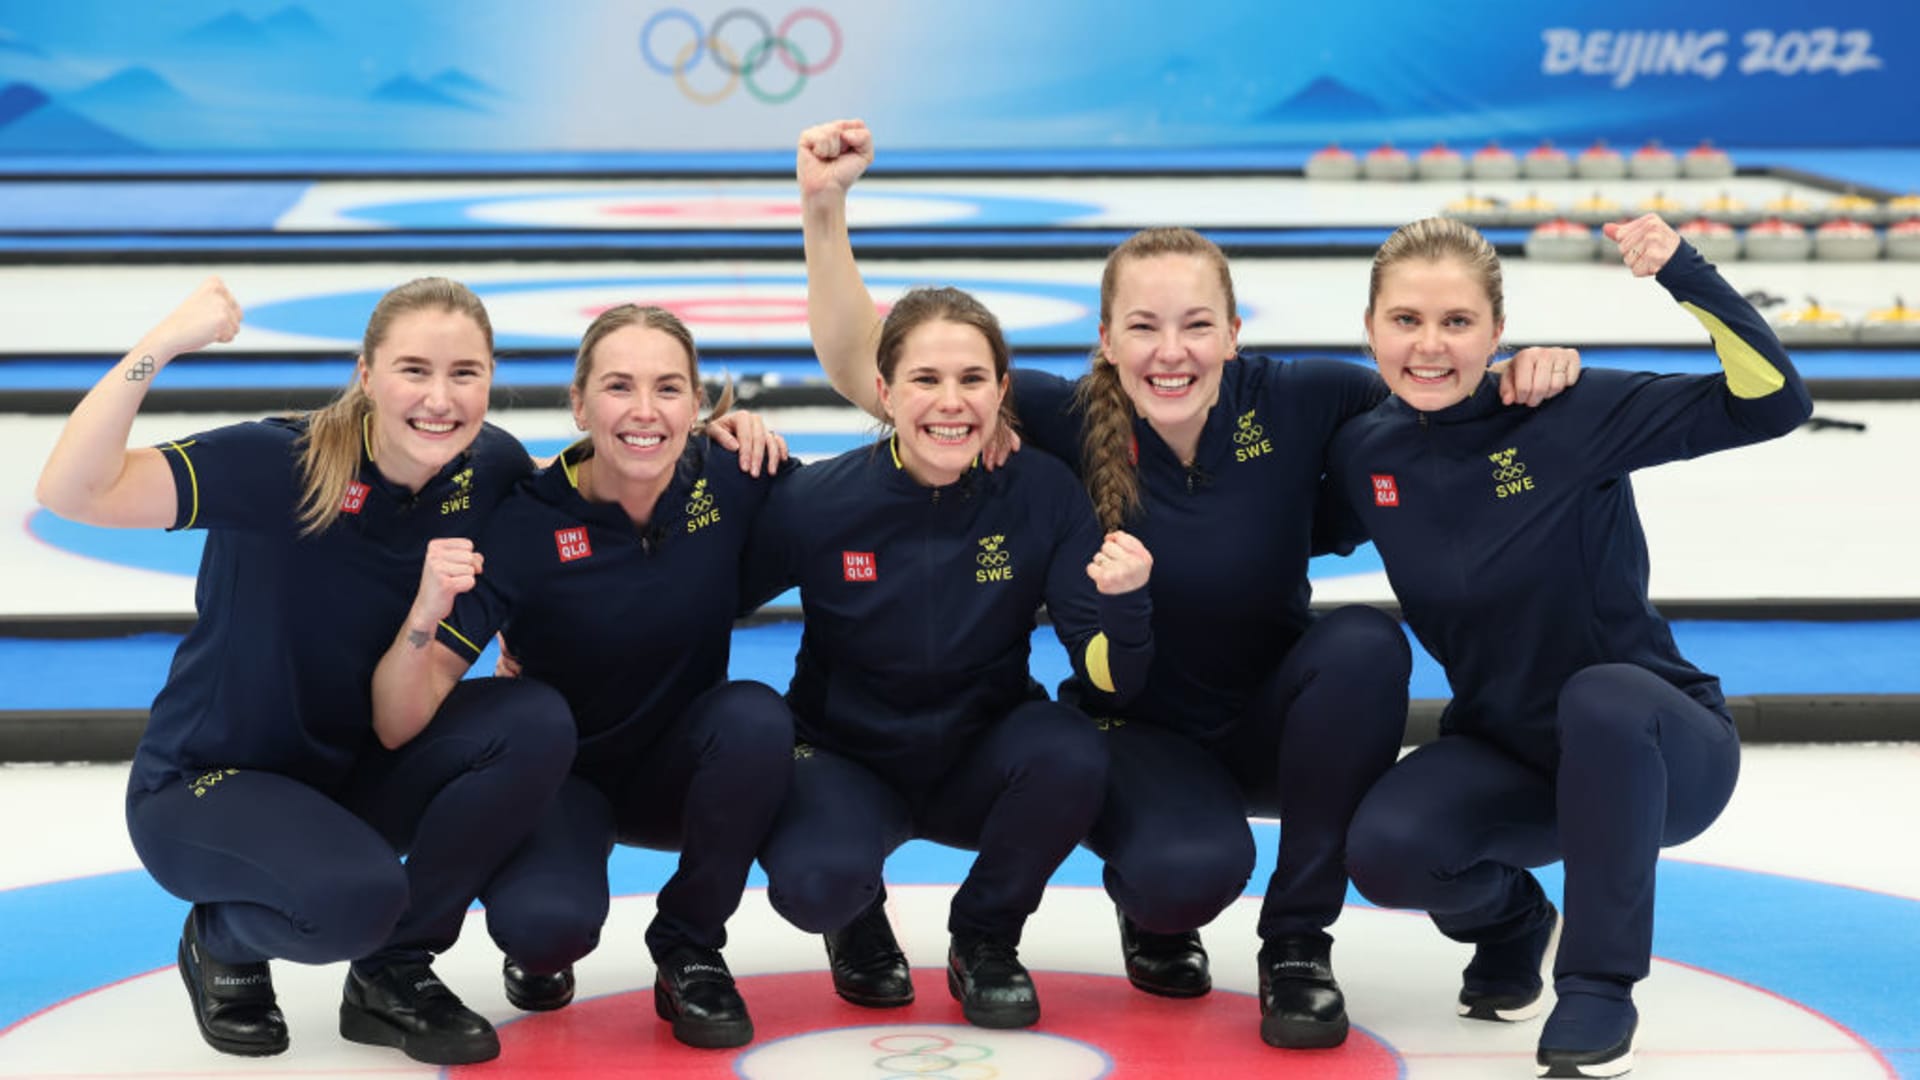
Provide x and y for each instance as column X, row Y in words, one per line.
column 418, row 638
column 141, row 368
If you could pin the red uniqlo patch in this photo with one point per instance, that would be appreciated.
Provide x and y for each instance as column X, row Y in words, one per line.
column 355, row 498
column 572, row 543
column 1384, row 491
column 859, row 566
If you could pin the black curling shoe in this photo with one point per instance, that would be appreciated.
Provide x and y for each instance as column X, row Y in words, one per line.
column 406, row 1006
column 694, row 992
column 992, row 987
column 233, row 1004
column 1170, row 965
column 536, row 993
column 868, row 967
column 1301, row 1006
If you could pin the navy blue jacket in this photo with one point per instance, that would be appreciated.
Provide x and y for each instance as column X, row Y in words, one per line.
column 920, row 602
column 1231, row 536
column 630, row 625
column 1510, row 534
column 277, row 674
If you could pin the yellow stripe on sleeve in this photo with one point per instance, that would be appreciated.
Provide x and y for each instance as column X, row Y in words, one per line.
column 1749, row 373
column 463, row 638
column 193, row 483
column 1097, row 667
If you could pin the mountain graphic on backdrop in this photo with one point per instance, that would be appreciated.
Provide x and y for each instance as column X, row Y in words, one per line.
column 457, row 82
column 31, row 121
column 14, row 43
column 1326, row 98
column 295, row 23
column 407, row 90
column 231, row 30
column 134, row 87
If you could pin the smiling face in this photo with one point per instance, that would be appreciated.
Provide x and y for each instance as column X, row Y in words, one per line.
column 637, row 403
column 944, row 399
column 428, row 380
column 1433, row 331
column 1169, row 330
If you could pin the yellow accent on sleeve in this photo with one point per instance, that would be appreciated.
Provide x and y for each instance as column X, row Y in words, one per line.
column 463, row 638
column 1097, row 668
column 1749, row 373
column 193, row 483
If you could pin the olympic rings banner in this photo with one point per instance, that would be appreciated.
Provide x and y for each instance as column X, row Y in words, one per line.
column 501, row 76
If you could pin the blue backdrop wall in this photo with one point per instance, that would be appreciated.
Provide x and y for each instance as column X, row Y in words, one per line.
column 110, row 76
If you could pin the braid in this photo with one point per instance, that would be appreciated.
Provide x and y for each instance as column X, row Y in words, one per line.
column 1106, row 445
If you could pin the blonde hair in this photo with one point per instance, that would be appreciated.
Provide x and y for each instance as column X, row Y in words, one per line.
column 1436, row 239
column 620, row 317
column 1107, row 451
column 331, row 448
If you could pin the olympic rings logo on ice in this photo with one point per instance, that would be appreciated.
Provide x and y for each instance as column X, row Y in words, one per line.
column 932, row 1057
column 741, row 66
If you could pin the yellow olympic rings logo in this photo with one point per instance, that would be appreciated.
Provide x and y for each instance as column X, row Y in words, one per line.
column 1511, row 472
column 741, row 65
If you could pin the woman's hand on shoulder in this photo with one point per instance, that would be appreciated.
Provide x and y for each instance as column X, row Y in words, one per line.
column 1533, row 375
column 747, row 432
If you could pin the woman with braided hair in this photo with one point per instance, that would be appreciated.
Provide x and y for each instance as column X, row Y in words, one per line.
column 1213, row 461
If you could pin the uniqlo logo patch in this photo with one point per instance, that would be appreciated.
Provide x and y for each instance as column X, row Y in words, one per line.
column 859, row 566
column 572, row 543
column 1385, row 492
column 355, row 498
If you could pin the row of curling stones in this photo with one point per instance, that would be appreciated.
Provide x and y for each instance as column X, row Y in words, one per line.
column 1773, row 240
column 1817, row 324
column 1483, row 211
column 1544, row 162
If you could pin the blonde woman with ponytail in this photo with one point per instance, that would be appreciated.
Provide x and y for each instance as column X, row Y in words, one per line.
column 260, row 791
column 1211, row 460
column 614, row 573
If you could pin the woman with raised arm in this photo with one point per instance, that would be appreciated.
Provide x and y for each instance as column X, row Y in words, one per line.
column 920, row 574
column 1577, row 731
column 259, row 792
column 614, row 574
column 1213, row 460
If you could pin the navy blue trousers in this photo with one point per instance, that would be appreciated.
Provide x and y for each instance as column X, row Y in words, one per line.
column 1022, row 795
column 1316, row 736
column 708, row 788
column 1450, row 829
column 278, row 868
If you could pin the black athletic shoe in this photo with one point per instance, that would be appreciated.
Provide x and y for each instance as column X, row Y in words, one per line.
column 233, row 1004
column 1171, row 965
column 1301, row 1006
column 536, row 993
column 992, row 987
column 868, row 967
column 1504, row 981
column 406, row 1006
column 694, row 992
column 1590, row 1031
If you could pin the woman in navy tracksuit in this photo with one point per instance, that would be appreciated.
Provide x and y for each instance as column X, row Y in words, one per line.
column 614, row 576
column 258, row 791
column 920, row 574
column 1577, row 731
column 1213, row 461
